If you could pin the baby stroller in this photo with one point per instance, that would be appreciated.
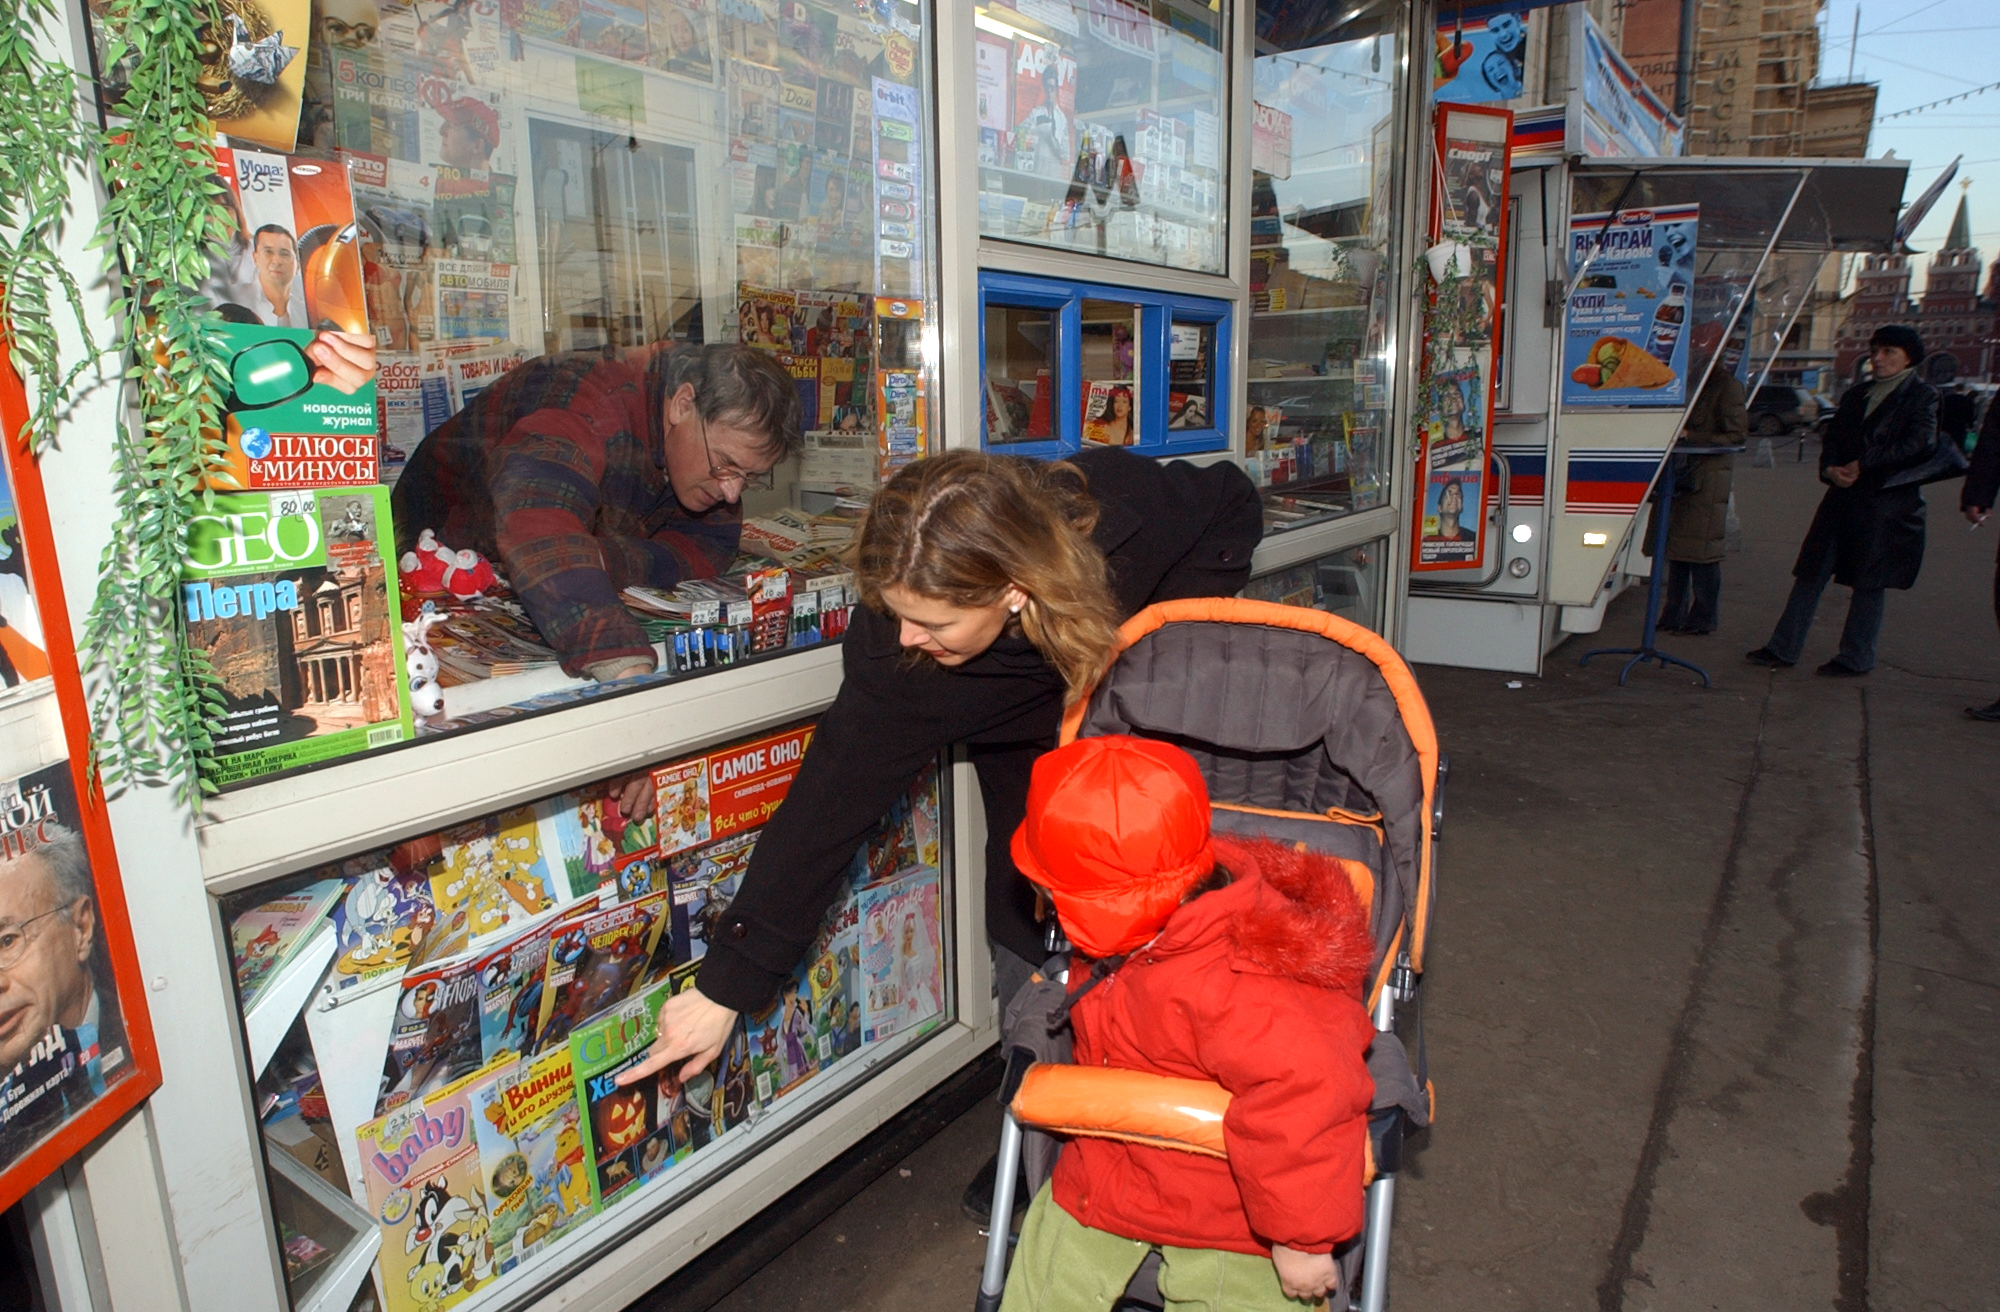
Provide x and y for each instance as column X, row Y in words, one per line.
column 1310, row 730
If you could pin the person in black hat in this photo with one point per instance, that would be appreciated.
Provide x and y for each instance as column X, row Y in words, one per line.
column 1975, row 502
column 1869, row 531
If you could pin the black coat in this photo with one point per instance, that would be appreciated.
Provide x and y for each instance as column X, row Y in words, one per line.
column 1982, row 481
column 1167, row 530
column 1874, row 532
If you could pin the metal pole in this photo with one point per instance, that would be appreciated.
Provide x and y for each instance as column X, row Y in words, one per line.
column 1854, row 40
column 993, row 1277
column 1381, row 1198
column 1684, row 61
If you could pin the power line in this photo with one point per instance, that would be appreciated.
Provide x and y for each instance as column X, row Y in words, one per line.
column 1948, row 100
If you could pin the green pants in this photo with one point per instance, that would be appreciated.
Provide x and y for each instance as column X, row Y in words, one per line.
column 1062, row 1265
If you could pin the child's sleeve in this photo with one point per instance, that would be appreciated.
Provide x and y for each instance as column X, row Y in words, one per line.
column 1292, row 1059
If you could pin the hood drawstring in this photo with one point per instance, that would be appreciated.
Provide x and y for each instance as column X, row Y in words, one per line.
column 1099, row 972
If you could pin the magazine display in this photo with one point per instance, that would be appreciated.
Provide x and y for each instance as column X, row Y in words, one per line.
column 495, row 1119
column 293, row 597
column 425, row 1188
column 292, row 265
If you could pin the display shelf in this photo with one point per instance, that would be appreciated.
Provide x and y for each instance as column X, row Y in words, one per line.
column 1258, row 316
column 267, row 1020
column 288, row 824
column 620, row 1254
column 1060, row 187
column 328, row 1217
column 1319, row 537
column 1316, row 379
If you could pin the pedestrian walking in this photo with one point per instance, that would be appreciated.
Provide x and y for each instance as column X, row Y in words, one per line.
column 1982, row 484
column 1698, row 526
column 1868, row 534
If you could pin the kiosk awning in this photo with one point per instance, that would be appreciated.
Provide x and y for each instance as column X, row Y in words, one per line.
column 1844, row 204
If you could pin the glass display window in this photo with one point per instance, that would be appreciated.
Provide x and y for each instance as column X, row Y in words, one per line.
column 434, row 1029
column 1102, row 127
column 551, row 215
column 1345, row 583
column 1070, row 364
column 1324, row 281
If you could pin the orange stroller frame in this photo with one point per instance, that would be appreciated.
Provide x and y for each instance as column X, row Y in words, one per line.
column 1308, row 729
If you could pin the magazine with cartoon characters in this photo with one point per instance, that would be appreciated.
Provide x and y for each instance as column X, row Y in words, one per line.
column 381, row 921
column 833, row 979
column 596, row 961
column 530, row 1152
column 265, row 937
column 511, row 978
column 626, row 1138
column 434, row 1038
column 494, row 869
column 902, row 956
column 420, row 1162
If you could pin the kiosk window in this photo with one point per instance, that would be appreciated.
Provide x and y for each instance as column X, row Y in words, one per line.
column 1101, row 128
column 1323, row 280
column 1022, row 374
column 561, row 215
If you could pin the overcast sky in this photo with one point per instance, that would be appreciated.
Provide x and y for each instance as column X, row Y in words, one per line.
column 1919, row 51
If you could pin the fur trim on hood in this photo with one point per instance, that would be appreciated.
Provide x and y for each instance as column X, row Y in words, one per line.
column 1315, row 930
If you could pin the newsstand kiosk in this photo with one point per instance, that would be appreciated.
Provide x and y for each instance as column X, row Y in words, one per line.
column 1681, row 264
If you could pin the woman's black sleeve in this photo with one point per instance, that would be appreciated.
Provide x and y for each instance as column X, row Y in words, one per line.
column 890, row 719
column 1913, row 442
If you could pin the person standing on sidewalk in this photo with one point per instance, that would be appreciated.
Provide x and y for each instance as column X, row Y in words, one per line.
column 1868, row 534
column 1698, row 526
column 1975, row 501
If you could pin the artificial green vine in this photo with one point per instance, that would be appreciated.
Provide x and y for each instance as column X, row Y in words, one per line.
column 40, row 142
column 151, row 713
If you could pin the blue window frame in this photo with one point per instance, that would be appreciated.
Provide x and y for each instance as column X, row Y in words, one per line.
column 1056, row 306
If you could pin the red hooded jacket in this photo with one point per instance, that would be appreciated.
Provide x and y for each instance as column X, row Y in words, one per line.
column 1258, row 987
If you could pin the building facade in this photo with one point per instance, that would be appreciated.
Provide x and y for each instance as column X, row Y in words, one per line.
column 1958, row 325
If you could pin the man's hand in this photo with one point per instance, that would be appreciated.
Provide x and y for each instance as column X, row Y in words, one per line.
column 692, row 1032
column 634, row 796
column 1975, row 515
column 1307, row 1276
column 624, row 667
column 344, row 360
column 1844, row 475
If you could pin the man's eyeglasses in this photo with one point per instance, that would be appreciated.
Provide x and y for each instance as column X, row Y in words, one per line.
column 763, row 482
column 15, row 938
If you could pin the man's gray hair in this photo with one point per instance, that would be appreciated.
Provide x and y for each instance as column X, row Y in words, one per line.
column 68, row 863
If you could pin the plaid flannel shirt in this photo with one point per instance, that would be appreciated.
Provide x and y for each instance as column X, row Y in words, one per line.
column 557, row 473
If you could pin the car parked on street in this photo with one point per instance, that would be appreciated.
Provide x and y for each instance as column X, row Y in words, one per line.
column 1780, row 407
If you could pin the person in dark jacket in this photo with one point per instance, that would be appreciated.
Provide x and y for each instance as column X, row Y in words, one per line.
column 1868, row 534
column 1697, row 528
column 1975, row 501
column 994, row 586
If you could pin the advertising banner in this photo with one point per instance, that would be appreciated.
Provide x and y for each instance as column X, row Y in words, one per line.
column 1480, row 59
column 1624, row 338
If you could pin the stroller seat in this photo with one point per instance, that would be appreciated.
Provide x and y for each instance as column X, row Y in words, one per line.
column 1310, row 730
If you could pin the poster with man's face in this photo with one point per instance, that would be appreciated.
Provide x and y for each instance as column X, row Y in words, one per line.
column 62, row 1034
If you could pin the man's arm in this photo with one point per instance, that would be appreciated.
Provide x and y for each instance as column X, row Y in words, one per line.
column 544, row 478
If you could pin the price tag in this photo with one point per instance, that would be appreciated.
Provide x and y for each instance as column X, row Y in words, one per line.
column 705, row 612
column 739, row 612
column 305, row 502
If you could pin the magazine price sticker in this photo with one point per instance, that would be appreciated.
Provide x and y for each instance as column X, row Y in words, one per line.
column 1624, row 338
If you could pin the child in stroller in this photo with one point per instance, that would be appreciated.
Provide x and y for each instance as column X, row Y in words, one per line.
column 1240, row 962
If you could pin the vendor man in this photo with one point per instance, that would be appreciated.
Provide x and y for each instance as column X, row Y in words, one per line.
column 580, row 475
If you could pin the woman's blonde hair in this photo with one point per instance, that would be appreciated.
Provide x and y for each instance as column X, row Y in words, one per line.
column 963, row 526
